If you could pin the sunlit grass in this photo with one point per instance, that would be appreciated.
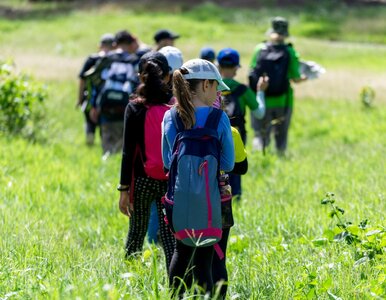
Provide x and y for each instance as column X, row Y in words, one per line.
column 62, row 235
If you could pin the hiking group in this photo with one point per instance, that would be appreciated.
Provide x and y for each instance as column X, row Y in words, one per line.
column 181, row 128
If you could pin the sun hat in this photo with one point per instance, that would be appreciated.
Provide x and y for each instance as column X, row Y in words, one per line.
column 202, row 69
column 173, row 56
column 155, row 57
column 208, row 53
column 164, row 34
column 228, row 57
column 279, row 25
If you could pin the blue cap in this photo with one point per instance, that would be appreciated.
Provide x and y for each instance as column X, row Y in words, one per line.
column 208, row 53
column 228, row 57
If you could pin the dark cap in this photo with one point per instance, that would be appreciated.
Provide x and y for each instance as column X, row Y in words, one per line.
column 164, row 34
column 279, row 26
column 156, row 57
column 228, row 57
column 124, row 37
column 107, row 39
column 208, row 53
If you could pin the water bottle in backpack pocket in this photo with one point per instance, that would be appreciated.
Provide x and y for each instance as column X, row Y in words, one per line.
column 193, row 202
column 226, row 201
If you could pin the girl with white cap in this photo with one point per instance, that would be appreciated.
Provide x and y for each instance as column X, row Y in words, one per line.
column 195, row 87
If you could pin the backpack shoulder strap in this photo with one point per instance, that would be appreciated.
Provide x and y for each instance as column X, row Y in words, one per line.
column 176, row 120
column 213, row 119
column 239, row 90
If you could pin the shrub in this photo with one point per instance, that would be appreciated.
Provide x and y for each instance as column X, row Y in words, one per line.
column 22, row 98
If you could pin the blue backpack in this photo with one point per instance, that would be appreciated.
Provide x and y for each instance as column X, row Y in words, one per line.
column 192, row 202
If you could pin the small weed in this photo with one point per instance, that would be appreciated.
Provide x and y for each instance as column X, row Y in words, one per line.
column 368, row 241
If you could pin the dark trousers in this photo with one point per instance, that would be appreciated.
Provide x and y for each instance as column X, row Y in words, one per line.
column 145, row 191
column 219, row 270
column 235, row 182
column 277, row 120
column 188, row 264
column 90, row 126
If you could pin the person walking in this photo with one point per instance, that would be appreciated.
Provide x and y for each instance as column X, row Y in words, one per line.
column 87, row 90
column 219, row 270
column 208, row 53
column 175, row 61
column 118, row 73
column 164, row 37
column 195, row 87
column 142, row 176
column 236, row 101
column 280, row 62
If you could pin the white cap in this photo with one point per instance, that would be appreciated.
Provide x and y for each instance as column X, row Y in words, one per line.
column 202, row 69
column 174, row 57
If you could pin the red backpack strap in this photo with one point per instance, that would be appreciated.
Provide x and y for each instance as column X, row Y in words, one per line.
column 218, row 250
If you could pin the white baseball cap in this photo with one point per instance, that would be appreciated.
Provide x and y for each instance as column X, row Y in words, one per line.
column 174, row 57
column 202, row 69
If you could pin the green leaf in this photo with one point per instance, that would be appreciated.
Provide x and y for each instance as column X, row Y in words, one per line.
column 320, row 242
column 354, row 229
column 327, row 283
column 332, row 213
column 311, row 294
column 341, row 210
column 328, row 233
column 341, row 236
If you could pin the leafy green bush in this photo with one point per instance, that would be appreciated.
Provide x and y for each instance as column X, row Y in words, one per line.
column 22, row 98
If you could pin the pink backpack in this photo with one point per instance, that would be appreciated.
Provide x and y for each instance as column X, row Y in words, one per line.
column 153, row 122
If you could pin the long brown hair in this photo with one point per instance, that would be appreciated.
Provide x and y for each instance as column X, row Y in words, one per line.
column 182, row 90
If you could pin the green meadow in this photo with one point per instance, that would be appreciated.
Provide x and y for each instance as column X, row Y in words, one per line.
column 61, row 232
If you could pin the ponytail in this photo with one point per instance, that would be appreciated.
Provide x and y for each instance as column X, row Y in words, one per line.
column 153, row 89
column 182, row 91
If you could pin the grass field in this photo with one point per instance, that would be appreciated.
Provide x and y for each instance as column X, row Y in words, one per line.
column 61, row 233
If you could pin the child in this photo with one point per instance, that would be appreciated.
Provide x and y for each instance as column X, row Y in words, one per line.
column 87, row 90
column 280, row 62
column 220, row 274
column 165, row 38
column 195, row 87
column 208, row 54
column 236, row 101
column 154, row 91
column 175, row 61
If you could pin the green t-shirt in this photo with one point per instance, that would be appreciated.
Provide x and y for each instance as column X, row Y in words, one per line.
column 248, row 98
column 293, row 73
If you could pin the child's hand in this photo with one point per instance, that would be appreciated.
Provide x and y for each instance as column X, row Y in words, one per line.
column 262, row 84
column 124, row 204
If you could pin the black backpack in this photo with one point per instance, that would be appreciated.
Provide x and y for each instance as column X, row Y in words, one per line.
column 231, row 105
column 273, row 61
column 120, row 82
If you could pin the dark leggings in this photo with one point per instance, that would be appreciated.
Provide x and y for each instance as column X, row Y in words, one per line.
column 188, row 264
column 219, row 270
column 145, row 191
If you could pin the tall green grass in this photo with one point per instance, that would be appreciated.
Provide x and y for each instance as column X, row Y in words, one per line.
column 62, row 235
